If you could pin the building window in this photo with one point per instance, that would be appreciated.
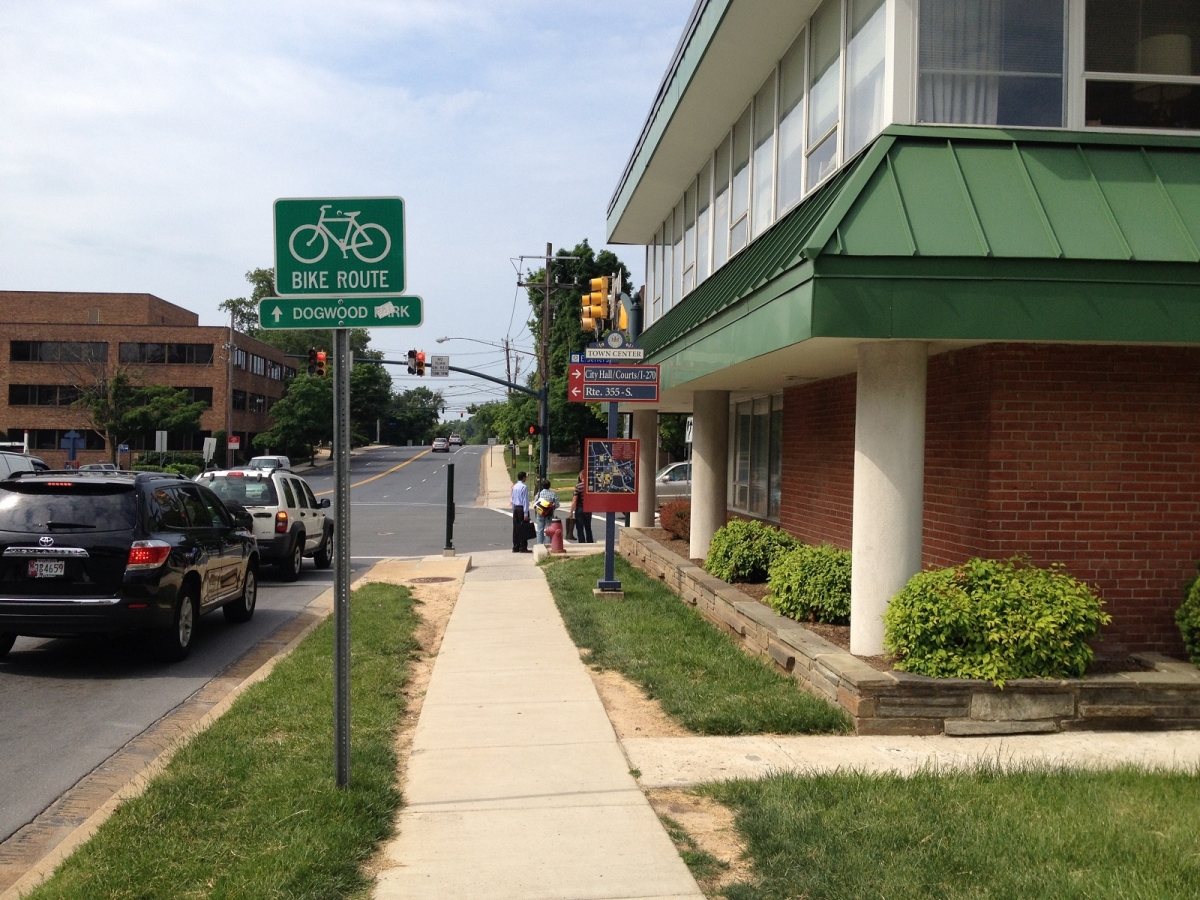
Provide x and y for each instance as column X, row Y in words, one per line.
column 825, row 94
column 739, row 201
column 258, row 403
column 757, row 455
column 239, row 358
column 239, row 400
column 258, row 365
column 288, row 373
column 677, row 255
column 58, row 351
column 51, row 438
column 721, row 204
column 762, row 205
column 274, row 370
column 1158, row 40
column 703, row 223
column 42, row 394
column 791, row 126
column 992, row 62
column 158, row 353
column 689, row 240
column 200, row 395
column 866, row 58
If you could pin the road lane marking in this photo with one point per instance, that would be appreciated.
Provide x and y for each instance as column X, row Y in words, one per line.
column 380, row 475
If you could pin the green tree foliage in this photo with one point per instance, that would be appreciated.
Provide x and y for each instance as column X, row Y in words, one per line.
column 570, row 422
column 298, row 342
column 672, row 430
column 370, row 399
column 121, row 409
column 302, row 418
column 412, row 415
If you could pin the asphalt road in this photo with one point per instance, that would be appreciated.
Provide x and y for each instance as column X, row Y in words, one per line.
column 67, row 705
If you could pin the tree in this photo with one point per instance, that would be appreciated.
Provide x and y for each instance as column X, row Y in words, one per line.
column 412, row 415
column 302, row 418
column 120, row 409
column 672, row 431
column 297, row 342
column 370, row 398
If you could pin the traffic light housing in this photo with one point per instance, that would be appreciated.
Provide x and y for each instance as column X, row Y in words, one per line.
column 421, row 363
column 320, row 363
column 412, row 362
column 535, row 430
column 595, row 303
column 312, row 361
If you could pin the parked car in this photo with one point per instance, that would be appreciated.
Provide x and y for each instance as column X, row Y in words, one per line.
column 287, row 520
column 673, row 482
column 11, row 463
column 100, row 467
column 109, row 552
column 456, row 440
column 441, row 445
column 270, row 462
column 39, row 464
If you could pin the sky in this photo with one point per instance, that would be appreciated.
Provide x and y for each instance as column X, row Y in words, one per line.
column 143, row 143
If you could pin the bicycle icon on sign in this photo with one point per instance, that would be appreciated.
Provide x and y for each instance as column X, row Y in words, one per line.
column 358, row 237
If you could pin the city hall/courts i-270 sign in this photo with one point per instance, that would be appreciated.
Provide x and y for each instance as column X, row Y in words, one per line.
column 339, row 248
column 610, row 477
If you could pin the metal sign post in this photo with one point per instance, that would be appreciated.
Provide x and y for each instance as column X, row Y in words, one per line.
column 341, row 546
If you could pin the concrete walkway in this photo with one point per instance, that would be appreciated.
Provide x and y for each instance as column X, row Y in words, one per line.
column 517, row 786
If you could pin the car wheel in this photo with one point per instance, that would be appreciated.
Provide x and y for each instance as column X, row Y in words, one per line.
column 175, row 643
column 323, row 558
column 7, row 639
column 290, row 567
column 241, row 609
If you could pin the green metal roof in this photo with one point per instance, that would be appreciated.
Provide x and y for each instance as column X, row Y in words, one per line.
column 977, row 193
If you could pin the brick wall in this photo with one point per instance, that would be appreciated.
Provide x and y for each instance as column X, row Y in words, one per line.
column 818, row 461
column 91, row 308
column 1088, row 456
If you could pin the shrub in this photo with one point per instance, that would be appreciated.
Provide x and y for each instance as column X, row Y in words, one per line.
column 676, row 517
column 1187, row 617
column 744, row 551
column 812, row 584
column 187, row 471
column 995, row 620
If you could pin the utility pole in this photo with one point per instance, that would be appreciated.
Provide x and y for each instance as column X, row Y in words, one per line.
column 228, row 395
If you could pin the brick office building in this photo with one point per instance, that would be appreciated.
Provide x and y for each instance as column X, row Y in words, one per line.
column 54, row 342
column 927, row 275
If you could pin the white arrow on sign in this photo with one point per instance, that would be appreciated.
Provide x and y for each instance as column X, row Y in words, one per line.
column 575, row 392
column 276, row 314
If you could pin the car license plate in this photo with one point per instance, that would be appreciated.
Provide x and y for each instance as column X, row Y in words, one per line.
column 47, row 568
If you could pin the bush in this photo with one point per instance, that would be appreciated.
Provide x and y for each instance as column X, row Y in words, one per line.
column 1187, row 617
column 995, row 620
column 744, row 551
column 676, row 517
column 812, row 584
column 184, row 469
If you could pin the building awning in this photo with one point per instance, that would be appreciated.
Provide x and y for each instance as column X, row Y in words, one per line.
column 964, row 234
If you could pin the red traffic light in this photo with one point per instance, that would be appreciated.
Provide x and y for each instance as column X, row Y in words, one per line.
column 535, row 430
column 321, row 363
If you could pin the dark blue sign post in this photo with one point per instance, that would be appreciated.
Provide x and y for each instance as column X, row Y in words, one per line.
column 72, row 442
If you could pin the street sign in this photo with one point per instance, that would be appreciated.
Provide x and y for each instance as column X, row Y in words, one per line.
column 396, row 312
column 332, row 248
column 439, row 367
column 687, row 431
column 210, row 449
column 234, row 442
column 595, row 382
column 610, row 482
column 160, row 441
column 602, row 353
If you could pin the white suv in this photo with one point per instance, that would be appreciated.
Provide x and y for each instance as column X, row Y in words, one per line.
column 289, row 522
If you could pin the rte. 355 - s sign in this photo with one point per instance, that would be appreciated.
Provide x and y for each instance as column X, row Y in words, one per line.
column 339, row 248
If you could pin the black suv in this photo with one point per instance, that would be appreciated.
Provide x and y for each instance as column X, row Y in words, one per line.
column 107, row 552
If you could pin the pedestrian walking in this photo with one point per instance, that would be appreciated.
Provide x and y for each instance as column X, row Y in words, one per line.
column 520, row 511
column 544, row 506
column 583, row 518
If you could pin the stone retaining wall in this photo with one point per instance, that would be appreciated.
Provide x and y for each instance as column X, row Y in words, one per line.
column 902, row 703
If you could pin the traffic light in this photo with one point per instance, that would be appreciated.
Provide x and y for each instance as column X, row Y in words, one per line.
column 595, row 304
column 421, row 363
column 535, row 430
column 412, row 362
column 320, row 363
column 312, row 360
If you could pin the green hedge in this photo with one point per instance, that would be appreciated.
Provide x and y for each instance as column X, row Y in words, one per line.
column 993, row 619
column 812, row 584
column 744, row 551
column 1187, row 617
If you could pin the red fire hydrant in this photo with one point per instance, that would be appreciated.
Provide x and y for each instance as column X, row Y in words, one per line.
column 555, row 530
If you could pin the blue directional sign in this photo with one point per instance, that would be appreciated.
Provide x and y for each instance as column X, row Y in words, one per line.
column 615, row 393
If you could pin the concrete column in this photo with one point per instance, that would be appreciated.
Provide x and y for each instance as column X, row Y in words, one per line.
column 710, row 471
column 645, row 429
column 889, row 483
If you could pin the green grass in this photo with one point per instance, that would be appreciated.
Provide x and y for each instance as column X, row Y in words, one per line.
column 1015, row 836
column 701, row 678
column 563, row 484
column 249, row 809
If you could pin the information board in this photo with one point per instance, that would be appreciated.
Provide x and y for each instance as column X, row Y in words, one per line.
column 610, row 482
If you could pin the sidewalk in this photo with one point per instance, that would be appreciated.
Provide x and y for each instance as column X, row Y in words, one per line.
column 517, row 786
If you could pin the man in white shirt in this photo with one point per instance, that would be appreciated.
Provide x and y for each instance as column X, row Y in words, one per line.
column 520, row 510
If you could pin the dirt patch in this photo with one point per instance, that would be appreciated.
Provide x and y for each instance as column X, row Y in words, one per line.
column 631, row 712
column 672, row 543
column 710, row 827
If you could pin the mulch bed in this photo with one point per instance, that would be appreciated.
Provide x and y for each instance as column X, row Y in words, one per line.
column 839, row 635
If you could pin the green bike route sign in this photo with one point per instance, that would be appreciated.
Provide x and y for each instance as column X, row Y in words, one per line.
column 395, row 312
column 334, row 248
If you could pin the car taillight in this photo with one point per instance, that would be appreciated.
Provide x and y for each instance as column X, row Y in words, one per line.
column 281, row 522
column 147, row 555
